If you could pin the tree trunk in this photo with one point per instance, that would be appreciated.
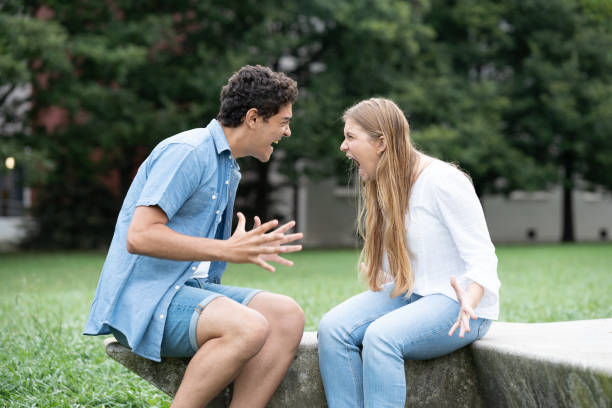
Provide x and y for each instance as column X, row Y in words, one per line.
column 568, row 203
column 262, row 192
column 295, row 189
column 568, row 215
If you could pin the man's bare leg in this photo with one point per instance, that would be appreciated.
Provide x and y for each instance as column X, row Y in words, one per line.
column 229, row 334
column 263, row 373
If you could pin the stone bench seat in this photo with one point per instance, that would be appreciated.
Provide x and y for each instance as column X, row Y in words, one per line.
column 560, row 364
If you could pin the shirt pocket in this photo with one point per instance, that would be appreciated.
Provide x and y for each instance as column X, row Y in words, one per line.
column 201, row 206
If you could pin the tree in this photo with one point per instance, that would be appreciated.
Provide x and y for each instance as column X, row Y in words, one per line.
column 25, row 42
column 354, row 50
column 561, row 63
column 139, row 72
column 133, row 74
column 440, row 61
column 455, row 96
column 493, row 86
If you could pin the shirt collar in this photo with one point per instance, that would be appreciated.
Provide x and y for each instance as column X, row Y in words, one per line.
column 218, row 135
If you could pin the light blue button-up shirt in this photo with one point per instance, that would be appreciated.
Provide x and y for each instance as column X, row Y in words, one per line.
column 193, row 178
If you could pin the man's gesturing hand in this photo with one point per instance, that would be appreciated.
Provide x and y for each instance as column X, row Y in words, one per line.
column 286, row 238
column 258, row 245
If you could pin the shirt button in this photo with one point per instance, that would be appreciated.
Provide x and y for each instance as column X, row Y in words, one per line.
column 226, row 181
column 193, row 268
column 217, row 212
column 177, row 287
column 214, row 197
column 161, row 316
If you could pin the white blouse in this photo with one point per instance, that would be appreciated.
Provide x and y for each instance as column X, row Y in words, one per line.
column 447, row 235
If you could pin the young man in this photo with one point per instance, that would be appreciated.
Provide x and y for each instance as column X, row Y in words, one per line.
column 159, row 292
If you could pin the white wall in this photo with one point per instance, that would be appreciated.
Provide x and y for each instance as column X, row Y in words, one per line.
column 327, row 215
column 509, row 218
column 12, row 231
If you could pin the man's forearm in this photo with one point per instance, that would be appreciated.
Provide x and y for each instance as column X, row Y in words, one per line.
column 160, row 241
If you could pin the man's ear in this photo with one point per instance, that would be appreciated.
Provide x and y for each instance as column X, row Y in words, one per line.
column 381, row 145
column 251, row 117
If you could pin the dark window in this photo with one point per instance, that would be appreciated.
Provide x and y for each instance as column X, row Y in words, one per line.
column 11, row 192
column 532, row 234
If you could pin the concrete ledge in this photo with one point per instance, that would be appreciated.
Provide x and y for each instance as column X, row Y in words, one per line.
column 302, row 386
column 561, row 364
column 564, row 364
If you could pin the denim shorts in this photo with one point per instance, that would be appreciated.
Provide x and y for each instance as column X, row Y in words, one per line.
column 179, row 338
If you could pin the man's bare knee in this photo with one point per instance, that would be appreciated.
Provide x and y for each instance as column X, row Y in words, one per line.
column 291, row 317
column 235, row 326
column 284, row 315
column 249, row 335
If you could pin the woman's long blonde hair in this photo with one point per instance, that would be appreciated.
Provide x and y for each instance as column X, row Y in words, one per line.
column 383, row 200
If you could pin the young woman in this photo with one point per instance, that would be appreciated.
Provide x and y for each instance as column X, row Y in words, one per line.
column 427, row 257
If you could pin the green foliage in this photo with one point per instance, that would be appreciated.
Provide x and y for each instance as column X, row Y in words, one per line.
column 562, row 63
column 23, row 40
column 515, row 92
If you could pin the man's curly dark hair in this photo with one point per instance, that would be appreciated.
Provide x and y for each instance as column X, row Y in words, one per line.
column 255, row 87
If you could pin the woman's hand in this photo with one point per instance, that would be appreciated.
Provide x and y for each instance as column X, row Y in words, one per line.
column 468, row 300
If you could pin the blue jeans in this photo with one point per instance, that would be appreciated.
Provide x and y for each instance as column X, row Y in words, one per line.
column 363, row 343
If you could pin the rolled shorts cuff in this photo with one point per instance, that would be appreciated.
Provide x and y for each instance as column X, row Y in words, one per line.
column 193, row 323
column 250, row 297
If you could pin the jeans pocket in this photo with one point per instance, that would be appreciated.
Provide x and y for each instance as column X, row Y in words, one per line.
column 483, row 329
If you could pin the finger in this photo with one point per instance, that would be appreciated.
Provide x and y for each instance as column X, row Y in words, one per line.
column 263, row 228
column 257, row 222
column 285, row 227
column 290, row 248
column 465, row 323
column 462, row 332
column 241, row 222
column 260, row 262
column 292, row 237
column 269, row 250
column 452, row 330
column 455, row 285
column 270, row 237
column 470, row 311
column 282, row 261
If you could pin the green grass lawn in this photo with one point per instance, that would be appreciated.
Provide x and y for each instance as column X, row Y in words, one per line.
column 45, row 298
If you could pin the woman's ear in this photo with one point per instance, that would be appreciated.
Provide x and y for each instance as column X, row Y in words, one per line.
column 381, row 145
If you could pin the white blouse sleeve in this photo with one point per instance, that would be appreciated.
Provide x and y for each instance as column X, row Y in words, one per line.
column 460, row 210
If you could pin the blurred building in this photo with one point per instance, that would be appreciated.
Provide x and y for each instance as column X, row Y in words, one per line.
column 15, row 198
column 325, row 212
column 326, row 215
